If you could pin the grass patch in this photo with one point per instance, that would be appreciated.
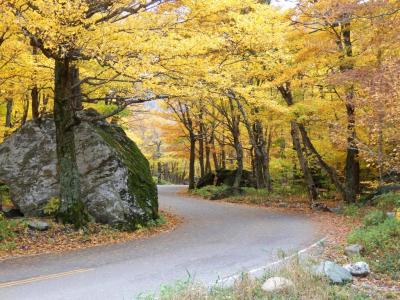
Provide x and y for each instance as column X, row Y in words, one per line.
column 351, row 210
column 306, row 286
column 380, row 237
column 388, row 202
column 9, row 229
column 209, row 191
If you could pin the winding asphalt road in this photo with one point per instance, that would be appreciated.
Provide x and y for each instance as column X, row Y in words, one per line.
column 216, row 240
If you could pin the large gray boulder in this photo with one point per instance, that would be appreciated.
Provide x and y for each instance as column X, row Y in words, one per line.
column 117, row 187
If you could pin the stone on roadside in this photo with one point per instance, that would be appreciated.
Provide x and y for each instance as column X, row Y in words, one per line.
column 334, row 272
column 335, row 210
column 391, row 214
column 360, row 269
column 275, row 284
column 38, row 225
column 353, row 250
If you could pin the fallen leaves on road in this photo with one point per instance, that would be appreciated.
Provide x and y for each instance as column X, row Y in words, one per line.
column 59, row 238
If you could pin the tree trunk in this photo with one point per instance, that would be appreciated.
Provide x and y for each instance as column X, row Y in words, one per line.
column 35, row 103
column 208, row 152
column 287, row 95
column 159, row 172
column 76, row 89
column 239, row 160
column 201, row 151
column 26, row 110
column 214, row 152
column 192, row 160
column 331, row 172
column 44, row 105
column 352, row 168
column 254, row 138
column 72, row 210
column 223, row 153
column 10, row 104
column 309, row 181
column 267, row 173
column 262, row 155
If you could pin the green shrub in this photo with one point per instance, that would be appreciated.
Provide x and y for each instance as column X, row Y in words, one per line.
column 292, row 189
column 163, row 182
column 8, row 228
column 209, row 190
column 249, row 191
column 388, row 201
column 374, row 217
column 382, row 245
column 52, row 206
column 158, row 222
column 351, row 210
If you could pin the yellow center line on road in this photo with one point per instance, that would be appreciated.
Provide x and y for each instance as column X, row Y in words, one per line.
column 42, row 277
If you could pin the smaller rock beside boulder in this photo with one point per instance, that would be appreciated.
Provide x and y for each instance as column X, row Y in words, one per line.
column 334, row 272
column 11, row 213
column 360, row 269
column 207, row 179
column 38, row 225
column 275, row 284
column 353, row 250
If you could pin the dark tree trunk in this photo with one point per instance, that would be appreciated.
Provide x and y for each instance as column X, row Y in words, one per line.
column 159, row 172
column 312, row 190
column 352, row 168
column 255, row 133
column 235, row 131
column 166, row 172
column 262, row 158
column 223, row 153
column 76, row 89
column 26, row 110
column 35, row 91
column 201, row 150
column 10, row 104
column 72, row 210
column 35, row 103
column 214, row 152
column 44, row 105
column 239, row 160
column 192, row 160
column 208, row 152
column 267, row 161
column 331, row 172
column 286, row 93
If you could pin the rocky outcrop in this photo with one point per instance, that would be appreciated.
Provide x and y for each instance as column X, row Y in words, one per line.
column 226, row 177
column 117, row 187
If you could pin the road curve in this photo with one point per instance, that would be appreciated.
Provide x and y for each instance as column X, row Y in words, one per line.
column 216, row 240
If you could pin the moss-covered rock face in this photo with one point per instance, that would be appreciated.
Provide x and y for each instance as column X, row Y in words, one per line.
column 142, row 190
column 117, row 187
